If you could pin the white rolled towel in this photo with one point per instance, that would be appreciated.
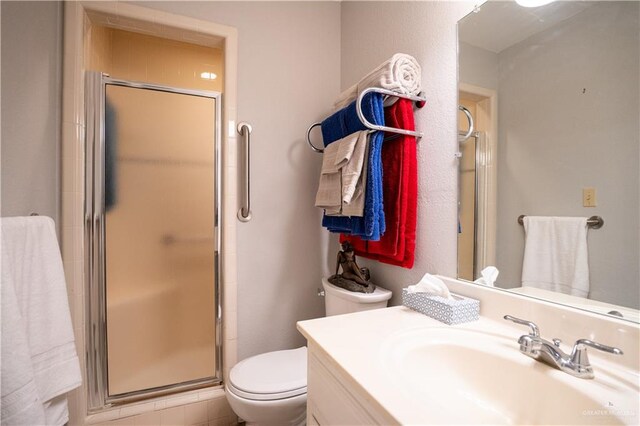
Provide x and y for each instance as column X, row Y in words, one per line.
column 401, row 73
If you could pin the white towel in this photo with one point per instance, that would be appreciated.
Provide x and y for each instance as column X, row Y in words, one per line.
column 56, row 410
column 20, row 402
column 556, row 255
column 401, row 74
column 32, row 269
column 343, row 176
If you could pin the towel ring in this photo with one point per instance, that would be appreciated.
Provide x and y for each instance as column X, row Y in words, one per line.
column 313, row 147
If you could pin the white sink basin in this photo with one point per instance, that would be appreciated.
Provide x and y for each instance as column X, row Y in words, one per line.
column 472, row 377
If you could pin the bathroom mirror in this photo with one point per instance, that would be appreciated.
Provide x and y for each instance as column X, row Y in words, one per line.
column 554, row 96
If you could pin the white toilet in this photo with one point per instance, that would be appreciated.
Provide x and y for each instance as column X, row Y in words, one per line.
column 271, row 388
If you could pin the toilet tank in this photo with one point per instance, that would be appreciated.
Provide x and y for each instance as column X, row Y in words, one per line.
column 338, row 301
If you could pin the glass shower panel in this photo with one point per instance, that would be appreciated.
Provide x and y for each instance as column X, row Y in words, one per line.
column 159, row 237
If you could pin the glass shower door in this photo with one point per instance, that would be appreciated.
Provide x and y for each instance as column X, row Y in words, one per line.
column 159, row 238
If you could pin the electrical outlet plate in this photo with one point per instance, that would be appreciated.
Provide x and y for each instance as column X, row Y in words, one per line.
column 588, row 197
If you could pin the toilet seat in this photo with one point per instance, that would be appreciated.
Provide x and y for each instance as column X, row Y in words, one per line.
column 270, row 376
column 266, row 396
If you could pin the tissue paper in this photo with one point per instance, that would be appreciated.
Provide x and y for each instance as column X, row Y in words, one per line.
column 489, row 276
column 431, row 284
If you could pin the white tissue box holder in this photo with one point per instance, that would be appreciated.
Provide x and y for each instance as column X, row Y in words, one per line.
column 457, row 311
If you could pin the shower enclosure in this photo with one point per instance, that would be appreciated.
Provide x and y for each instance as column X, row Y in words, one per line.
column 473, row 206
column 152, row 240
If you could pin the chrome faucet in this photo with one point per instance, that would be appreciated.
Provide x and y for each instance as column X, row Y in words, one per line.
column 576, row 363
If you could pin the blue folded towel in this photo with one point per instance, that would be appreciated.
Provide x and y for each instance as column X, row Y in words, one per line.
column 371, row 225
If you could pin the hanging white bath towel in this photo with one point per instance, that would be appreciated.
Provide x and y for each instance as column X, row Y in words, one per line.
column 46, row 367
column 556, row 254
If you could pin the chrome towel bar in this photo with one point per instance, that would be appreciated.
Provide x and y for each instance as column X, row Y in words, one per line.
column 419, row 99
column 595, row 222
column 244, row 214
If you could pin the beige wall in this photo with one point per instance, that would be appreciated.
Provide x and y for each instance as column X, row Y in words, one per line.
column 160, row 292
column 140, row 57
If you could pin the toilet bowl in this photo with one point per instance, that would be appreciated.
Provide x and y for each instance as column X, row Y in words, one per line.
column 271, row 389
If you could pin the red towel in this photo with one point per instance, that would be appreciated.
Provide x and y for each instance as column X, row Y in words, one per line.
column 400, row 193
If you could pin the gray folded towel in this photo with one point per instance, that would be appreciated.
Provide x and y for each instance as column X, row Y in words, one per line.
column 343, row 176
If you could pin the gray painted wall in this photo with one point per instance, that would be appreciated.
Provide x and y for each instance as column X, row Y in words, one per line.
column 31, row 101
column 478, row 66
column 554, row 140
column 304, row 53
column 288, row 78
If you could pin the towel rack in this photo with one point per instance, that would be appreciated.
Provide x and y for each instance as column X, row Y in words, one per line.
column 595, row 222
column 419, row 99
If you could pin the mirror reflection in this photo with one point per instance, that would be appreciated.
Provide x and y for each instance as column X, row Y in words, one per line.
column 554, row 151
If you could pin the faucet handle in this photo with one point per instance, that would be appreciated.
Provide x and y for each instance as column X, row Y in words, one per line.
column 579, row 353
column 535, row 331
column 581, row 343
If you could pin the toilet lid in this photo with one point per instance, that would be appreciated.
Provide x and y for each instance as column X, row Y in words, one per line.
column 273, row 375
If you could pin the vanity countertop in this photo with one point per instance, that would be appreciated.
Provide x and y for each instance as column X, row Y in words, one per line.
column 374, row 349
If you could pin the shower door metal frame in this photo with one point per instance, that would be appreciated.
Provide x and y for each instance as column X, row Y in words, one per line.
column 98, row 396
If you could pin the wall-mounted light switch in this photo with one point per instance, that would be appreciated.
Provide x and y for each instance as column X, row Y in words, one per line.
column 588, row 197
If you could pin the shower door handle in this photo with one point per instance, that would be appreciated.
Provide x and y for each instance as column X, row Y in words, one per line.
column 244, row 214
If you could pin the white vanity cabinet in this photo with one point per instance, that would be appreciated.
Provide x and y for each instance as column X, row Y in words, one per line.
column 333, row 398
